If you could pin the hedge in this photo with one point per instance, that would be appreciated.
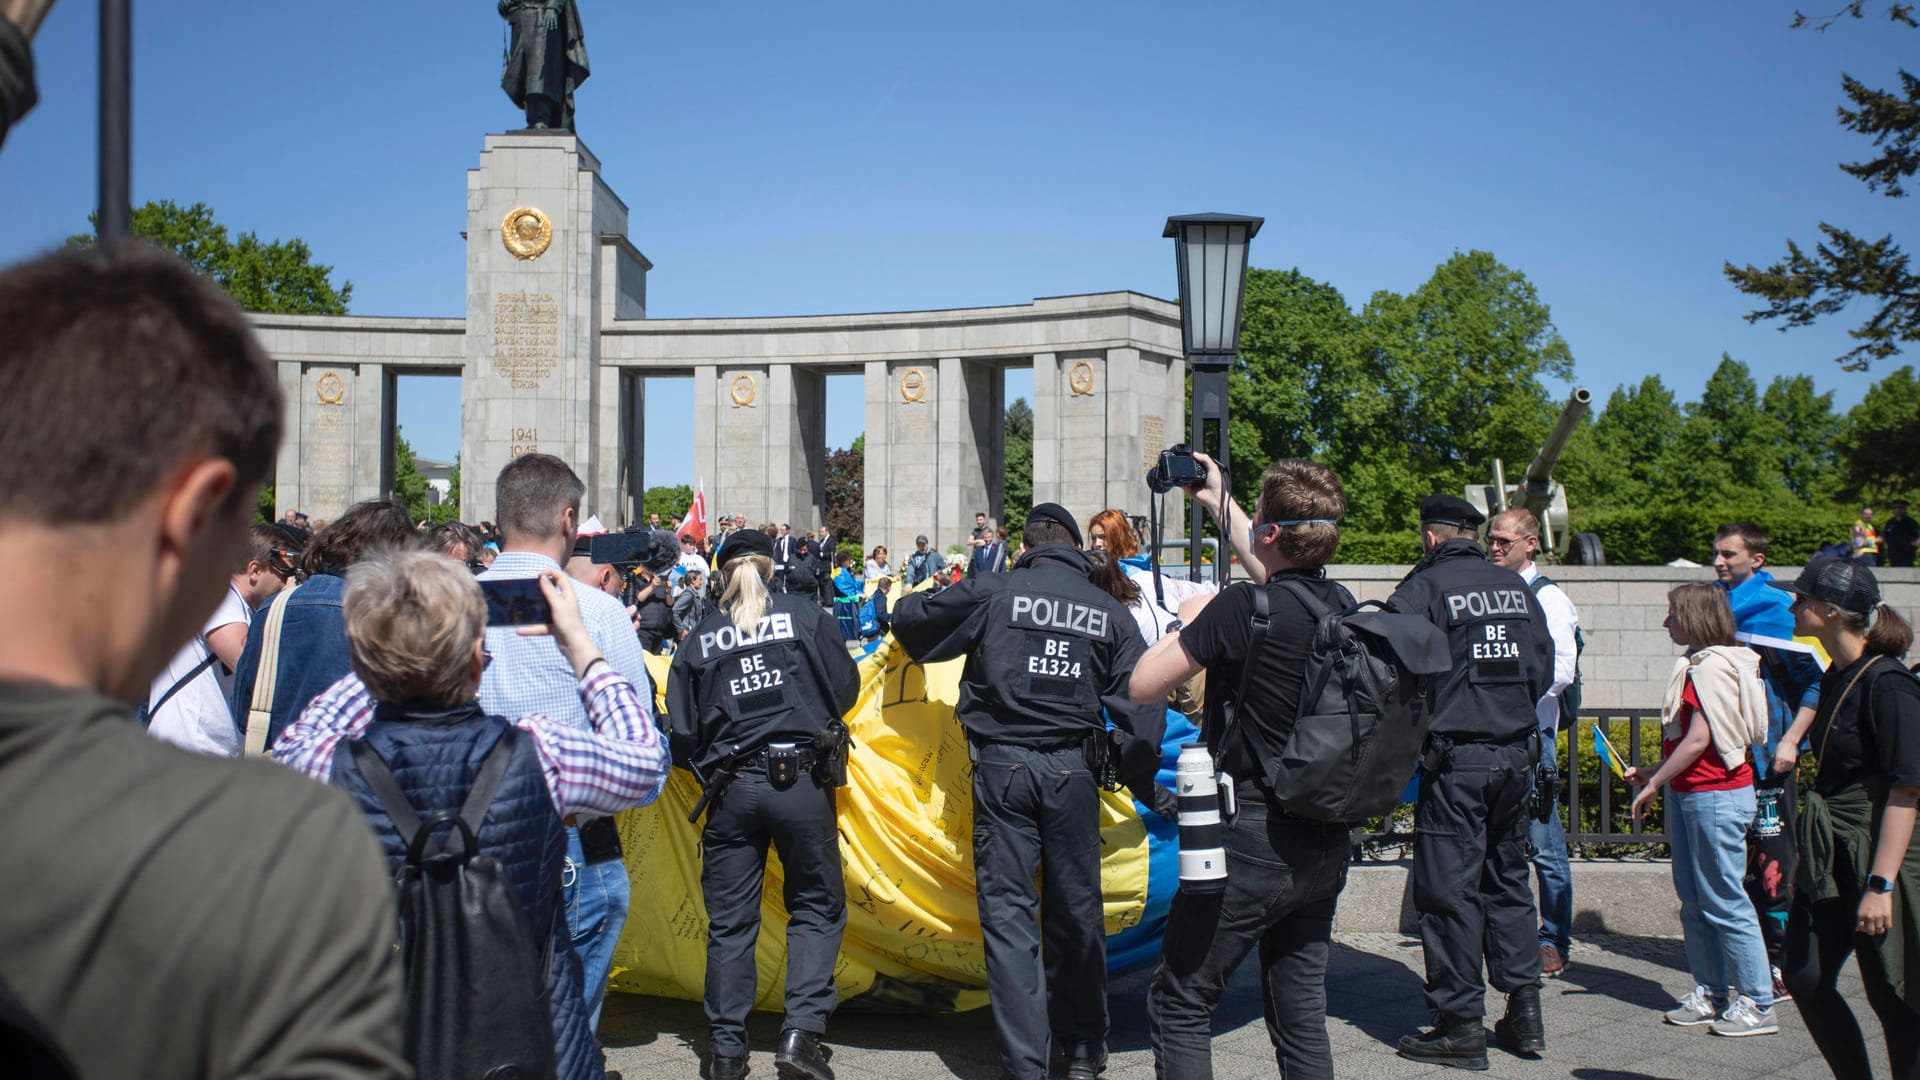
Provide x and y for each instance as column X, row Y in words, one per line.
column 1656, row 535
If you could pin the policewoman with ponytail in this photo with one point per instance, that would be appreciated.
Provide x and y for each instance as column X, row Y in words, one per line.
column 754, row 702
column 1858, row 887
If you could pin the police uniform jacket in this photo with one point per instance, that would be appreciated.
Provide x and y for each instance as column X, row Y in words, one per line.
column 786, row 679
column 1046, row 650
column 1501, row 648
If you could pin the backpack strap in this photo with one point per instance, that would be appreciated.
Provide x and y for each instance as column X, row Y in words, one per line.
column 265, row 677
column 1260, row 621
column 154, row 709
column 472, row 813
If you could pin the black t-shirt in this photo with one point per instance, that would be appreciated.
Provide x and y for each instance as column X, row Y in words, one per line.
column 1218, row 638
column 1878, row 744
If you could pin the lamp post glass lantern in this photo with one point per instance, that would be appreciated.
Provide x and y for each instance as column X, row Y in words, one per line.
column 1210, row 253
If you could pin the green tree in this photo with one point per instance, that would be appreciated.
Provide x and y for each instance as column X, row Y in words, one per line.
column 279, row 276
column 1634, row 437
column 669, row 502
column 263, row 506
column 1844, row 267
column 1806, row 427
column 1726, row 446
column 846, row 491
column 1016, row 474
column 1879, row 443
column 409, row 487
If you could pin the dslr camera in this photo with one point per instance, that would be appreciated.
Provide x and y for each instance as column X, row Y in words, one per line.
column 1177, row 468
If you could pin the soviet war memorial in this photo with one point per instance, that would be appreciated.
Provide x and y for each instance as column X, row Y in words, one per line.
column 788, row 578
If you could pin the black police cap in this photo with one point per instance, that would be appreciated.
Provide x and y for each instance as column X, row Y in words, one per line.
column 1057, row 514
column 744, row 542
column 1450, row 510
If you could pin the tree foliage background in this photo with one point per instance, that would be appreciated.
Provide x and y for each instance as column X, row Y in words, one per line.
column 1844, row 266
column 1416, row 394
column 278, row 277
column 846, row 493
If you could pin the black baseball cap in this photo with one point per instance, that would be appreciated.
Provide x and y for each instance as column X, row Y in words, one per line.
column 743, row 542
column 1841, row 582
column 1057, row 514
column 1450, row 510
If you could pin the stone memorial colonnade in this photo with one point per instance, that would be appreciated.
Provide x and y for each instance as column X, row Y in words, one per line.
column 555, row 347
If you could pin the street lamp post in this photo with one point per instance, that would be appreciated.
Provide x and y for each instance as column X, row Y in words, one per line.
column 1210, row 251
column 116, row 121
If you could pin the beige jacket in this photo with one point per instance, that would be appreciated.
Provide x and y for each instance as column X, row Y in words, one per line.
column 1726, row 679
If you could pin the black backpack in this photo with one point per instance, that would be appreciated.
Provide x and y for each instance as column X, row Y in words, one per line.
column 1364, row 708
column 476, row 975
column 1570, row 694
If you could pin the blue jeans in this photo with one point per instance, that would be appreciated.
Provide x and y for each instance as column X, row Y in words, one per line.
column 1709, row 830
column 596, row 904
column 1550, row 867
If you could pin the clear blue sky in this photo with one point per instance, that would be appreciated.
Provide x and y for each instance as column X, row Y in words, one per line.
column 803, row 159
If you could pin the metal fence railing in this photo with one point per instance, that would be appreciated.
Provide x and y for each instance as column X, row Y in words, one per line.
column 1595, row 805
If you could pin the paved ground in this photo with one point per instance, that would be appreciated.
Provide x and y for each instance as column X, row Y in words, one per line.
column 1603, row 1023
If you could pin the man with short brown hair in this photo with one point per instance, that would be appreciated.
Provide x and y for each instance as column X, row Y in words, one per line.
column 162, row 924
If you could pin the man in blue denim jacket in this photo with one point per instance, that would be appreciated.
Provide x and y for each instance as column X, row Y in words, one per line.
column 1791, row 672
column 313, row 634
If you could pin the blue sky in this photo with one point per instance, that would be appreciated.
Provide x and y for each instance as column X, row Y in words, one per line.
column 803, row 159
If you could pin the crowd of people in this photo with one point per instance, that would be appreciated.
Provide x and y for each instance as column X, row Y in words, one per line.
column 225, row 917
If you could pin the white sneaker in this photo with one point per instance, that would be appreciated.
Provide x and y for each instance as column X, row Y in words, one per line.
column 1695, row 1008
column 1744, row 1017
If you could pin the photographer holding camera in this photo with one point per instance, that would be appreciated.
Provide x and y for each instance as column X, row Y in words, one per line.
column 1284, row 873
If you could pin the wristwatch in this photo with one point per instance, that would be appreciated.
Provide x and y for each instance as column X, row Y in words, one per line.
column 1876, row 883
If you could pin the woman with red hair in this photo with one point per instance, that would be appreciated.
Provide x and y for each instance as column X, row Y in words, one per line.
column 1111, row 532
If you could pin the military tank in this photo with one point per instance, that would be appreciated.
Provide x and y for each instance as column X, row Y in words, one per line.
column 1537, row 492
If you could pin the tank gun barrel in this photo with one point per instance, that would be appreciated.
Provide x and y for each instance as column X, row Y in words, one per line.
column 1541, row 470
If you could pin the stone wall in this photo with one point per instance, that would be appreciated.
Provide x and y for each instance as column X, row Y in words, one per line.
column 1628, row 654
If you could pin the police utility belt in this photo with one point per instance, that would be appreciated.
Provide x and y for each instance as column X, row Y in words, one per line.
column 1096, row 749
column 1544, row 795
column 824, row 756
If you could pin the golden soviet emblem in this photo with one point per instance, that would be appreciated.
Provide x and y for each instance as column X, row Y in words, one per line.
column 913, row 385
column 526, row 232
column 1080, row 378
column 330, row 388
column 742, row 390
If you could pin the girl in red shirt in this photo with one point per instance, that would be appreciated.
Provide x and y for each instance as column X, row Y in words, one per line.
column 1714, row 698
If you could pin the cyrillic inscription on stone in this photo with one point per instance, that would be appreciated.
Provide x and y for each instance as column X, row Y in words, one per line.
column 526, row 338
column 1152, row 432
column 326, row 471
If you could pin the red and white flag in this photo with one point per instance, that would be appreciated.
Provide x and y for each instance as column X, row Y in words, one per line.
column 695, row 523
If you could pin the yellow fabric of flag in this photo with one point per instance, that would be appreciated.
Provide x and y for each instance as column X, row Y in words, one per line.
column 906, row 846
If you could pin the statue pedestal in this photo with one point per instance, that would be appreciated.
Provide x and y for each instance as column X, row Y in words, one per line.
column 548, row 263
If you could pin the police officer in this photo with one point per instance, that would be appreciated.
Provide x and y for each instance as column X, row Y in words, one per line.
column 754, row 700
column 1470, row 826
column 1046, row 651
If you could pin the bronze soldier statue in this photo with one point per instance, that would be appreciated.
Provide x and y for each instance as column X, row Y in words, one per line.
column 546, row 60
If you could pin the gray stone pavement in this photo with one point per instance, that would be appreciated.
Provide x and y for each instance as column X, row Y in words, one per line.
column 1603, row 1023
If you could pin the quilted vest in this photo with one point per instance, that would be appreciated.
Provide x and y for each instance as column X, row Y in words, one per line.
column 435, row 755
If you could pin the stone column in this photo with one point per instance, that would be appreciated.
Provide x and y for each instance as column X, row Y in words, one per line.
column 327, row 412
column 877, row 521
column 1046, row 428
column 707, row 395
column 536, row 212
column 373, row 434
column 286, row 469
column 911, row 426
column 796, row 446
column 741, row 420
column 970, row 447
column 618, row 424
column 1079, row 390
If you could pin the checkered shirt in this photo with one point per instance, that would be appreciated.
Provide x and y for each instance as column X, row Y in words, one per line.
column 618, row 762
column 529, row 676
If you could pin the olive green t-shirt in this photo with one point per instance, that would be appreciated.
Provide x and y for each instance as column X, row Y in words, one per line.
column 171, row 915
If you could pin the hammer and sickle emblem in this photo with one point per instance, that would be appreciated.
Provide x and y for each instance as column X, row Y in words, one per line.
column 330, row 388
column 742, row 389
column 913, row 385
column 526, row 232
column 1080, row 378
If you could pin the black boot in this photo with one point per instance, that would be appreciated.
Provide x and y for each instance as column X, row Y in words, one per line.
column 801, row 1057
column 1457, row 1044
column 718, row 1067
column 1086, row 1062
column 1522, row 1030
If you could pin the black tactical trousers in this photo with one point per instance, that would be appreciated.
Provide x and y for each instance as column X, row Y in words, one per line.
column 1038, row 812
column 801, row 824
column 1470, row 877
